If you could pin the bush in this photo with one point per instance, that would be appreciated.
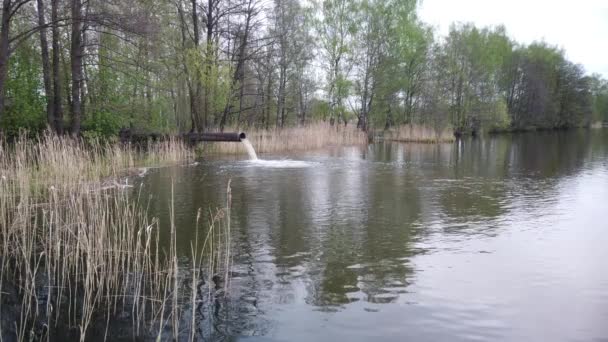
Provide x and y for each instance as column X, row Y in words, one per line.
column 498, row 119
column 102, row 123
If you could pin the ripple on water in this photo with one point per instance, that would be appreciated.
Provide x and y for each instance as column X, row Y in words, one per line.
column 496, row 246
column 280, row 164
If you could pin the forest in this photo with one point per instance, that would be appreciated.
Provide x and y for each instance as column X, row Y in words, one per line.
column 92, row 67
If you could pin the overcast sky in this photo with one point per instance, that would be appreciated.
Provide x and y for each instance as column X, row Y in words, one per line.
column 580, row 27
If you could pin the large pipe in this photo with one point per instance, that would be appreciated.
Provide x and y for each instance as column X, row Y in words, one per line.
column 126, row 135
column 232, row 136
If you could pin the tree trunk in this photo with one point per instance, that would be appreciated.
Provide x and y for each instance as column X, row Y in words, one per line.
column 334, row 93
column 365, row 100
column 302, row 104
column 191, row 94
column 282, row 77
column 46, row 66
column 76, row 65
column 4, row 51
column 57, row 101
column 195, row 102
column 148, row 85
column 208, row 59
column 281, row 96
column 268, row 97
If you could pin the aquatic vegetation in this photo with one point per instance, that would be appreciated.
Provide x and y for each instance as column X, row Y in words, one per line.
column 73, row 255
column 309, row 137
column 419, row 133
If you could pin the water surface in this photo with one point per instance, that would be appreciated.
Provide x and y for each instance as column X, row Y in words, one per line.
column 501, row 239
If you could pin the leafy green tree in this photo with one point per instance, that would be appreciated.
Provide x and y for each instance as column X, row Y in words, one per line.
column 599, row 93
column 25, row 105
column 336, row 31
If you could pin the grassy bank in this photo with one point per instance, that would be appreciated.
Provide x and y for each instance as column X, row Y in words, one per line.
column 419, row 134
column 75, row 253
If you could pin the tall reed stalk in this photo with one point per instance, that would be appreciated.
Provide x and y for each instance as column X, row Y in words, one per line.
column 72, row 252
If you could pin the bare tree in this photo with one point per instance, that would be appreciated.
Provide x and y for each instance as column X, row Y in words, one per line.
column 46, row 65
column 57, row 100
column 76, row 56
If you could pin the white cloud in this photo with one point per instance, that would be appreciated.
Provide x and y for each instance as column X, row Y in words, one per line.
column 579, row 27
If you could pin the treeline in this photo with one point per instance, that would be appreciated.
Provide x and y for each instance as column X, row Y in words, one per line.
column 95, row 66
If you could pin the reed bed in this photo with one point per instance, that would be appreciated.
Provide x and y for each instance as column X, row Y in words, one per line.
column 310, row 137
column 57, row 160
column 172, row 151
column 74, row 255
column 420, row 134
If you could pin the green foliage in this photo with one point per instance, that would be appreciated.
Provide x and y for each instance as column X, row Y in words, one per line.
column 497, row 118
column 319, row 110
column 382, row 67
column 550, row 92
column 473, row 62
column 601, row 107
column 336, row 31
column 218, row 85
column 599, row 92
column 24, row 95
column 103, row 123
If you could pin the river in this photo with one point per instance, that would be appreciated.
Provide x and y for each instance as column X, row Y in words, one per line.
column 493, row 239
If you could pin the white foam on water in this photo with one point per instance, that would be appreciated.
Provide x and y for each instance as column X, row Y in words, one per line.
column 250, row 149
column 279, row 164
column 276, row 164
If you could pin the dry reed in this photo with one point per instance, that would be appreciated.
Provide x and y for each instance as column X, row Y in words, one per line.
column 310, row 137
column 420, row 134
column 69, row 252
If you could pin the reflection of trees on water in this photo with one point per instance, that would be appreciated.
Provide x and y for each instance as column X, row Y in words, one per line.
column 192, row 190
column 391, row 227
column 551, row 154
column 346, row 229
column 336, row 199
column 364, row 245
column 491, row 177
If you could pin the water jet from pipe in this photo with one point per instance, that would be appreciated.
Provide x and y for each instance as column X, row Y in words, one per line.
column 249, row 148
